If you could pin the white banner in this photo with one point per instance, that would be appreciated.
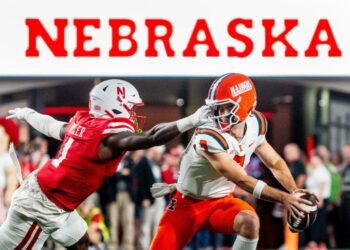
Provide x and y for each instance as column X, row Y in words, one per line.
column 174, row 38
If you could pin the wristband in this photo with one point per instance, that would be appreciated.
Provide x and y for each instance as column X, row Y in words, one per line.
column 258, row 189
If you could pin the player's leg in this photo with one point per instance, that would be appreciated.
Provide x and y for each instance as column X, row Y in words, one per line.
column 246, row 224
column 232, row 215
column 19, row 232
column 72, row 234
column 181, row 220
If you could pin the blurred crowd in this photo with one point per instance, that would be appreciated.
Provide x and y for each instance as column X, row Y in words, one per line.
column 124, row 215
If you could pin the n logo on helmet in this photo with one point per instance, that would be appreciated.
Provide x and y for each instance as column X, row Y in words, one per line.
column 120, row 93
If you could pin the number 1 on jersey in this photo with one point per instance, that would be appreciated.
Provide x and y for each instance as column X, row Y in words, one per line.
column 68, row 144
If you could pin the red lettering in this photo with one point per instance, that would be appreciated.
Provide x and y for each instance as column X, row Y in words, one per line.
column 116, row 25
column 80, row 25
column 36, row 29
column 121, row 92
column 201, row 25
column 323, row 25
column 270, row 39
column 152, row 37
column 231, row 51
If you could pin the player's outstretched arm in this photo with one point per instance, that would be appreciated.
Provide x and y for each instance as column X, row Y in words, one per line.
column 234, row 172
column 278, row 167
column 157, row 135
column 45, row 124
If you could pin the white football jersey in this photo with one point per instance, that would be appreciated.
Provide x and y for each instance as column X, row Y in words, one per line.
column 198, row 178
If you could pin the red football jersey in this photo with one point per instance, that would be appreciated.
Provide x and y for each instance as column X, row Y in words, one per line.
column 76, row 172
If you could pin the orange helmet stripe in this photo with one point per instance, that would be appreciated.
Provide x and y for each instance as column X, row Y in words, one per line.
column 215, row 85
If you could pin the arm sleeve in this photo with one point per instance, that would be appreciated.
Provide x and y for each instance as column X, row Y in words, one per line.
column 46, row 124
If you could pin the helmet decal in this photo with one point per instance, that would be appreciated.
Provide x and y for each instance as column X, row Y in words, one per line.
column 120, row 93
column 241, row 88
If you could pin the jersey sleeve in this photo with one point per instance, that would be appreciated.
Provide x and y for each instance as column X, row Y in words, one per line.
column 209, row 141
column 117, row 127
column 262, row 126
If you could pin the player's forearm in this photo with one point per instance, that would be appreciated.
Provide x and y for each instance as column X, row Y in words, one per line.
column 164, row 133
column 249, row 184
column 268, row 193
column 282, row 173
column 45, row 124
column 272, row 194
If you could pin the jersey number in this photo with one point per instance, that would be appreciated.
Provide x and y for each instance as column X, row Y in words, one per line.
column 67, row 145
column 204, row 145
column 239, row 159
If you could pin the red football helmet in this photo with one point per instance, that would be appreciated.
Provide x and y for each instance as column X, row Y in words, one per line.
column 232, row 97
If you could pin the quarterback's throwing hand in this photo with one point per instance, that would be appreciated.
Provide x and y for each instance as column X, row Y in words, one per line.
column 20, row 113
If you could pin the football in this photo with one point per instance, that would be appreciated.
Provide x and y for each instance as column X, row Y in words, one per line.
column 300, row 224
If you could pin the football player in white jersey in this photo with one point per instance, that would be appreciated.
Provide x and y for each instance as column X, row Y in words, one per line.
column 213, row 164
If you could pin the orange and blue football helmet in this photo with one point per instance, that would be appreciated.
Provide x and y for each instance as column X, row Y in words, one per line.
column 232, row 97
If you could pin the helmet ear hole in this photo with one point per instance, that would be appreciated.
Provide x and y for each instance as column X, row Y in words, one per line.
column 216, row 112
column 116, row 112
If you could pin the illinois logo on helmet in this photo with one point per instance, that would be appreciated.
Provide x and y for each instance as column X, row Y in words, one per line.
column 116, row 98
column 232, row 98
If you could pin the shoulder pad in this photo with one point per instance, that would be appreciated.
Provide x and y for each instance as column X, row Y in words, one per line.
column 115, row 127
column 210, row 140
column 262, row 122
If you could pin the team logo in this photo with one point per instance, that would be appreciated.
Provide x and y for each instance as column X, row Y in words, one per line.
column 171, row 206
column 241, row 88
column 120, row 93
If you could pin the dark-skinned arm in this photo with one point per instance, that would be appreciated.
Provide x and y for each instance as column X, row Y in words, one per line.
column 127, row 141
column 159, row 134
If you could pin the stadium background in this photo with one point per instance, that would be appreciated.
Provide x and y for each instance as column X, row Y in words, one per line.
column 305, row 99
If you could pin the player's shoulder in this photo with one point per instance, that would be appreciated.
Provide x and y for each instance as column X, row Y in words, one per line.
column 259, row 120
column 117, row 125
column 211, row 138
column 106, row 125
column 79, row 115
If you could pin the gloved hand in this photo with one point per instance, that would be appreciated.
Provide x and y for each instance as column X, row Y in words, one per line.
column 198, row 118
column 161, row 189
column 201, row 116
column 20, row 113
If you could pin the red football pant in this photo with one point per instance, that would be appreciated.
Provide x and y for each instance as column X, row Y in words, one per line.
column 185, row 216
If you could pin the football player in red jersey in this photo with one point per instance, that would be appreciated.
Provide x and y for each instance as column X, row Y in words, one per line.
column 94, row 142
column 213, row 164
